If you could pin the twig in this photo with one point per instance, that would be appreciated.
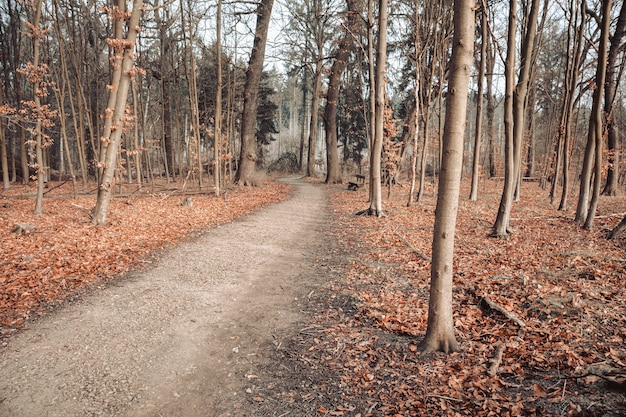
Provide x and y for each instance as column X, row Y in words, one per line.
column 497, row 360
column 89, row 212
column 417, row 251
column 55, row 187
column 492, row 305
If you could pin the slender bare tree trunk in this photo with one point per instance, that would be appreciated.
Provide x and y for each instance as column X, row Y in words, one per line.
column 376, row 206
column 36, row 34
column 191, row 76
column 416, row 116
column 116, row 63
column 571, row 84
column 597, row 115
column 6, row 183
column 490, row 109
column 501, row 225
column 609, row 99
column 372, row 92
column 440, row 331
column 136, row 152
column 303, row 131
column 515, row 112
column 63, row 80
column 217, row 141
column 125, row 50
column 314, row 121
column 479, row 109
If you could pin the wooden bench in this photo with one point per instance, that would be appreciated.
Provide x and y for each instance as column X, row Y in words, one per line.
column 360, row 181
column 353, row 186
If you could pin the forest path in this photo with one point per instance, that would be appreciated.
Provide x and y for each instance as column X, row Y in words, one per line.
column 188, row 336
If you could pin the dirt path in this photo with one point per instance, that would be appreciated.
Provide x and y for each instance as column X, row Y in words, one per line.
column 189, row 336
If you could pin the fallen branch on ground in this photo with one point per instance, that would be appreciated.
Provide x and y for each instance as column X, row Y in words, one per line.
column 417, row 251
column 497, row 360
column 485, row 301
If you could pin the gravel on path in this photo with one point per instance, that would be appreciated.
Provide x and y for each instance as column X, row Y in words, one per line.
column 184, row 337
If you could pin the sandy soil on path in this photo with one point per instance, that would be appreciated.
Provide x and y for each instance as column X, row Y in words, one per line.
column 188, row 336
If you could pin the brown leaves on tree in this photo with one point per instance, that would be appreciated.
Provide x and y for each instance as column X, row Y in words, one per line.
column 65, row 252
column 564, row 284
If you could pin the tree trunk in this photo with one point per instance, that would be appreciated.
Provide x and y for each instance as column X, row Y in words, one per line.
column 247, row 159
column 346, row 45
column 125, row 52
column 37, row 81
column 217, row 141
column 414, row 118
column 596, row 111
column 314, row 121
column 116, row 62
column 303, row 132
column 609, row 99
column 24, row 156
column 531, row 152
column 490, row 109
column 6, row 184
column 372, row 92
column 64, row 83
column 440, row 331
column 501, row 226
column 571, row 84
column 515, row 111
column 376, row 206
column 617, row 230
column 479, row 109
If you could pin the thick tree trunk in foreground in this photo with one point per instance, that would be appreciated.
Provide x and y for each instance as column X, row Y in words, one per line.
column 440, row 331
column 248, row 157
column 333, row 176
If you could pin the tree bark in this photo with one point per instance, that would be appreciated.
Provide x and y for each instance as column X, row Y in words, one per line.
column 479, row 109
column 217, row 169
column 247, row 159
column 376, row 206
column 6, row 183
column 490, row 109
column 501, row 226
column 314, row 120
column 515, row 112
column 125, row 52
column 345, row 47
column 372, row 91
column 609, row 99
column 571, row 84
column 596, row 112
column 305, row 89
column 440, row 331
column 37, row 92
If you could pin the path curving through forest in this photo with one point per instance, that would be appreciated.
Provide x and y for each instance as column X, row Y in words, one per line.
column 187, row 336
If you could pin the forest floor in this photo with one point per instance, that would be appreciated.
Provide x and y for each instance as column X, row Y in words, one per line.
column 304, row 309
